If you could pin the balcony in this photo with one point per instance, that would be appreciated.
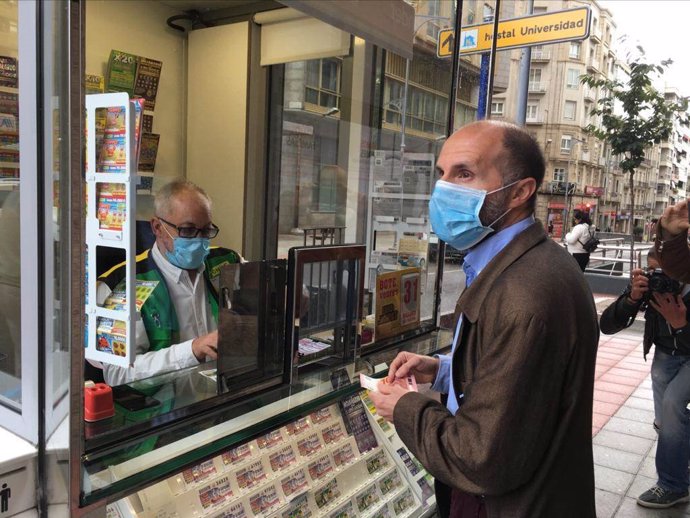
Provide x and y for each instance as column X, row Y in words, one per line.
column 539, row 119
column 593, row 66
column 589, row 94
column 541, row 55
column 536, row 87
column 595, row 35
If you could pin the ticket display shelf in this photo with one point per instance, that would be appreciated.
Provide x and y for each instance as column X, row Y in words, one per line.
column 122, row 487
column 330, row 462
column 215, row 438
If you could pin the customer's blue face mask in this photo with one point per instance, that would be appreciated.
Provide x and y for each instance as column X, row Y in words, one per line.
column 188, row 253
column 454, row 214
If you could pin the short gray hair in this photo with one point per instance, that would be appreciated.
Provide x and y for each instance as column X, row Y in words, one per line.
column 172, row 190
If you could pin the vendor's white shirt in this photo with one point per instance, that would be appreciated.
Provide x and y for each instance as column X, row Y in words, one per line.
column 576, row 237
column 194, row 316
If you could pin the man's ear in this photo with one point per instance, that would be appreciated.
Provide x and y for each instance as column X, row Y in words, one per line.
column 522, row 192
column 156, row 227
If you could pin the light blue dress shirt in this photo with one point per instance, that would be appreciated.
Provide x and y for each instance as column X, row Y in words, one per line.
column 475, row 261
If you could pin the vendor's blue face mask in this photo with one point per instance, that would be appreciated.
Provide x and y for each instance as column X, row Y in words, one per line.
column 188, row 253
column 454, row 214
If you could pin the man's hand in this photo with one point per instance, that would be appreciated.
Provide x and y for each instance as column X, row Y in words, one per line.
column 640, row 285
column 386, row 399
column 674, row 220
column 206, row 346
column 424, row 368
column 671, row 307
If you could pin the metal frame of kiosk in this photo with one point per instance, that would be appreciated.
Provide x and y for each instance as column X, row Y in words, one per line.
column 330, row 280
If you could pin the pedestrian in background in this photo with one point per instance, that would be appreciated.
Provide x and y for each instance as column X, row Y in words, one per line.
column 666, row 326
column 578, row 236
column 515, row 437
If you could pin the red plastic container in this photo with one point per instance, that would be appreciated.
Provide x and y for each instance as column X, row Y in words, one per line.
column 98, row 402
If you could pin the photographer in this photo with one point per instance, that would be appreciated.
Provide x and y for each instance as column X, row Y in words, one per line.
column 665, row 303
column 672, row 241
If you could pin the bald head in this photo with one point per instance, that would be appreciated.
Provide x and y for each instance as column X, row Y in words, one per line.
column 176, row 192
column 502, row 146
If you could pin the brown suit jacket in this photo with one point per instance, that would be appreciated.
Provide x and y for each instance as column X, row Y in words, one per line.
column 523, row 436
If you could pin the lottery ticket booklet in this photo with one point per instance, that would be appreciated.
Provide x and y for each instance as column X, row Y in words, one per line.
column 409, row 382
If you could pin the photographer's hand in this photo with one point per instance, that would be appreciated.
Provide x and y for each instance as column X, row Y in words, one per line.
column 671, row 307
column 640, row 285
column 674, row 220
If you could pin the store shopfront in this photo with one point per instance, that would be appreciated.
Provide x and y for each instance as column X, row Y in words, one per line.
column 309, row 125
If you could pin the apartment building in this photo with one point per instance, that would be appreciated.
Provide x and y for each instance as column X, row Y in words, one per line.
column 581, row 173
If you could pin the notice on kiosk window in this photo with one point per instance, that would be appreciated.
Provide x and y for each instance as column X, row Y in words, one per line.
column 122, row 70
column 397, row 302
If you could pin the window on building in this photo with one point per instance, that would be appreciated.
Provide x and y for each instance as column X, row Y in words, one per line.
column 497, row 108
column 535, row 79
column 538, row 10
column 532, row 113
column 559, row 174
column 569, row 110
column 323, row 82
column 566, row 143
column 574, row 50
column 573, row 78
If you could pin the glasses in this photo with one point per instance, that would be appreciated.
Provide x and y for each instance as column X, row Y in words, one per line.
column 192, row 232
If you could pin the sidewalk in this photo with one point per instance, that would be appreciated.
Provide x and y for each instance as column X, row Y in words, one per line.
column 624, row 441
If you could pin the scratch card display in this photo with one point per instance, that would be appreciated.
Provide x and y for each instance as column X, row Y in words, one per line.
column 343, row 455
column 236, row 510
column 389, row 482
column 251, row 475
column 294, row 483
column 270, row 440
column 367, row 498
column 8, row 71
column 377, row 461
column 282, row 459
column 199, row 472
column 382, row 513
column 146, row 81
column 356, row 422
column 111, row 336
column 298, row 508
column 297, row 427
column 264, row 500
column 112, row 206
column 237, row 455
column 402, row 503
column 148, row 151
column 426, row 483
column 320, row 468
column 309, row 445
column 327, row 493
column 346, row 511
column 122, row 69
column 411, row 466
column 321, row 416
column 332, row 433
column 216, row 493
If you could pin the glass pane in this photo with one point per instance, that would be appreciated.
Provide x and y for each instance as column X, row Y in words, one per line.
column 313, row 73
column 329, row 74
column 10, row 261
column 57, row 161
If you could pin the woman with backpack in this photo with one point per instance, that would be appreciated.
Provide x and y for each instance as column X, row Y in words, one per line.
column 578, row 236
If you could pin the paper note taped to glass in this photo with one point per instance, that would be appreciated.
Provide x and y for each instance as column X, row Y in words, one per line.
column 408, row 382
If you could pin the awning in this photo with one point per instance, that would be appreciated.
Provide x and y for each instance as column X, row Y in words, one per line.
column 386, row 23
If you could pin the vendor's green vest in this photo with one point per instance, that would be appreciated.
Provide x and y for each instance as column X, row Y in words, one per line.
column 158, row 312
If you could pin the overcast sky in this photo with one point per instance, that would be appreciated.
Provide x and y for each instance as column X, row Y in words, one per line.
column 662, row 28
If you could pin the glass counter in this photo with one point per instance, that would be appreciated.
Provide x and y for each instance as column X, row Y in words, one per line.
column 135, row 449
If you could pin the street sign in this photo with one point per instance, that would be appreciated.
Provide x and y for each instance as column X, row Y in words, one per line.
column 525, row 31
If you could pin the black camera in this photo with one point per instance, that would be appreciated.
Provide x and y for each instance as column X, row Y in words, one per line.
column 659, row 282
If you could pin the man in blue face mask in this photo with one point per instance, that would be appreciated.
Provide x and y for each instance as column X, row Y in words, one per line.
column 178, row 325
column 514, row 438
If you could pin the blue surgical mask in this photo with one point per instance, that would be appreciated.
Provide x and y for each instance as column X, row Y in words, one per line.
column 454, row 214
column 188, row 253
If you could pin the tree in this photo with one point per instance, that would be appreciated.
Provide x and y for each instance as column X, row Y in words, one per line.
column 634, row 116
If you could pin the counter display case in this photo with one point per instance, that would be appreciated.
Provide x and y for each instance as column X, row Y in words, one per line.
column 314, row 448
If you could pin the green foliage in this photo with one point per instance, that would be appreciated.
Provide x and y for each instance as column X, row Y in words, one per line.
column 646, row 118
